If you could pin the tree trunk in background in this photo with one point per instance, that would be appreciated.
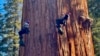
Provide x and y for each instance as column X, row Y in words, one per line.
column 43, row 39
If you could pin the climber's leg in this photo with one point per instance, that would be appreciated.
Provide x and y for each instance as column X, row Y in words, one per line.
column 21, row 42
column 60, row 31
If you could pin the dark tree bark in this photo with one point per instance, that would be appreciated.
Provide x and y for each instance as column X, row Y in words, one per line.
column 43, row 39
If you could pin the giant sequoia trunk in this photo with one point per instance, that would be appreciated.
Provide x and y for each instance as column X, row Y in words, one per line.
column 43, row 39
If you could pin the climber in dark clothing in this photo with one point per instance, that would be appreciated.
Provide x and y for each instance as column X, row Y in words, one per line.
column 24, row 30
column 60, row 22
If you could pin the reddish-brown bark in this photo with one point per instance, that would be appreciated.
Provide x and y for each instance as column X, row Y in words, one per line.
column 43, row 39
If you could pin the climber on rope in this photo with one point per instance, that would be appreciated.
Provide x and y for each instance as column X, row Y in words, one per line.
column 24, row 30
column 61, row 21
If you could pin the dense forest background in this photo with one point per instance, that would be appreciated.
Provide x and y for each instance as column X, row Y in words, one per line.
column 10, row 23
column 94, row 12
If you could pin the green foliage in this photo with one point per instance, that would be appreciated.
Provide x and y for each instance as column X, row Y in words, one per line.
column 94, row 8
column 96, row 36
column 9, row 26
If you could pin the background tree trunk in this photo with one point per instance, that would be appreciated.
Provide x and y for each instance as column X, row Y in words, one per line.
column 43, row 39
